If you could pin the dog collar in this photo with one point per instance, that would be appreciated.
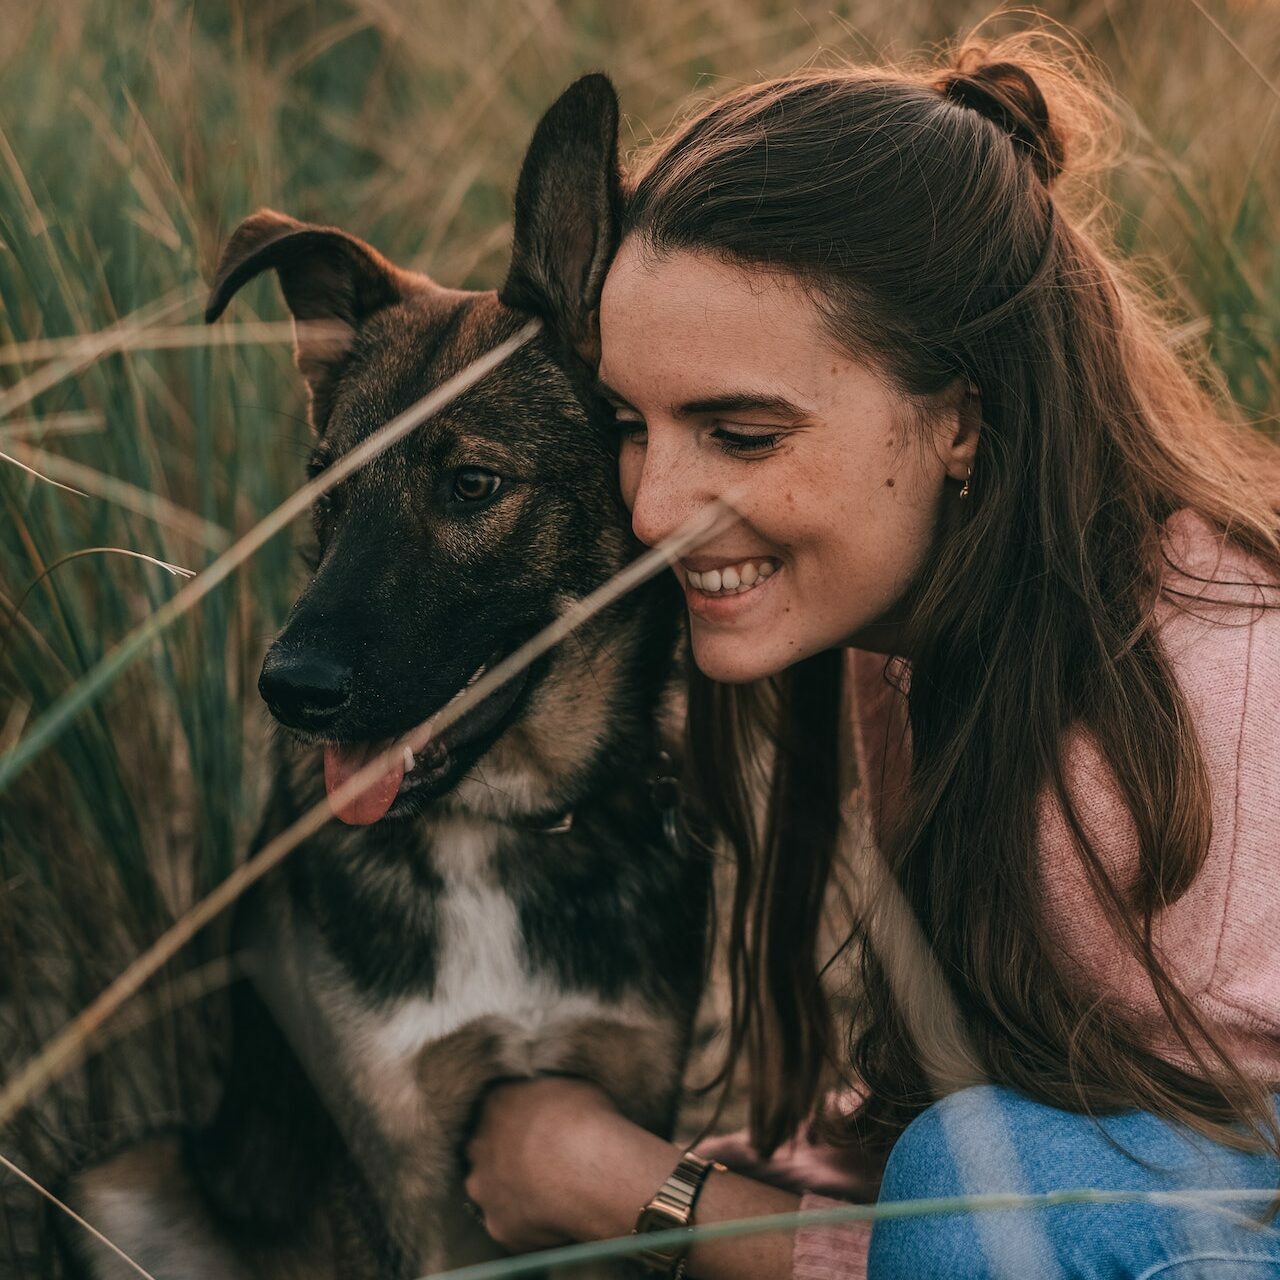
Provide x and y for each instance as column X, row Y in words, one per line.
column 664, row 787
column 557, row 826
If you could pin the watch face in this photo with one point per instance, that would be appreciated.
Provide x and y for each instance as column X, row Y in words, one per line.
column 655, row 1218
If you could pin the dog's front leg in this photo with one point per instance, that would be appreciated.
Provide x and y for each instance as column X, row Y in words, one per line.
column 430, row 1216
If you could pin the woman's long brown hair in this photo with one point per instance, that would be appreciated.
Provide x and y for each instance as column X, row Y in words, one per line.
column 923, row 208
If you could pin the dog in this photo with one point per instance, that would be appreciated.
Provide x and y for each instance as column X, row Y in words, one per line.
column 508, row 902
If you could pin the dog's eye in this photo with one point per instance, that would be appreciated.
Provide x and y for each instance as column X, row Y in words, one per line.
column 473, row 485
column 317, row 463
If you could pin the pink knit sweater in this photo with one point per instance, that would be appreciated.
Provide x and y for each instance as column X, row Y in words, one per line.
column 1220, row 940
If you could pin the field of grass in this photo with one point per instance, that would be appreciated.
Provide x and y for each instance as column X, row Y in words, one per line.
column 133, row 136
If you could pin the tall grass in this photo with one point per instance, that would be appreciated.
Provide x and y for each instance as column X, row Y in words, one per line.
column 132, row 137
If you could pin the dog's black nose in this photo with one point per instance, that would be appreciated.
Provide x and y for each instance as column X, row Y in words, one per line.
column 304, row 690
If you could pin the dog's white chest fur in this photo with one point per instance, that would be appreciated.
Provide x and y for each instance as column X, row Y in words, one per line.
column 480, row 971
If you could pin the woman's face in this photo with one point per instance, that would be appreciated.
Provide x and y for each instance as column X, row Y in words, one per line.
column 727, row 385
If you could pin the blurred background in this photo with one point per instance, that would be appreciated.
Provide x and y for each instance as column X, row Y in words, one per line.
column 133, row 137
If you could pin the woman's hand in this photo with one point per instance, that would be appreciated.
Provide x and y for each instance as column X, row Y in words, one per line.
column 537, row 1156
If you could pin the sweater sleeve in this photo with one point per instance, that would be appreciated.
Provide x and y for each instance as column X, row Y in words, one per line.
column 831, row 1252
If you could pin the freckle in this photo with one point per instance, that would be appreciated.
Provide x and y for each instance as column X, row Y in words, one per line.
column 889, row 482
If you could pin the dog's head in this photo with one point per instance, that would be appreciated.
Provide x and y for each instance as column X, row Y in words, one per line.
column 480, row 526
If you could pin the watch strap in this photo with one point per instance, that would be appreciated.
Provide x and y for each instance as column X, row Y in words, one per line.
column 672, row 1206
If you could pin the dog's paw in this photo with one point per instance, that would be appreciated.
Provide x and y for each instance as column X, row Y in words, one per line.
column 144, row 1203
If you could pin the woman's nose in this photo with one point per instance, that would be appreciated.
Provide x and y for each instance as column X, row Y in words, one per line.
column 668, row 490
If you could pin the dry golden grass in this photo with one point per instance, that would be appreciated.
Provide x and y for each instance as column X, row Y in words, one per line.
column 132, row 136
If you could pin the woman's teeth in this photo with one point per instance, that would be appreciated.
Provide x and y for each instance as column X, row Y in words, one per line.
column 732, row 579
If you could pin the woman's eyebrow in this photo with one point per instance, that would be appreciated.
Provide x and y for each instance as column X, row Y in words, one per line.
column 726, row 402
column 744, row 402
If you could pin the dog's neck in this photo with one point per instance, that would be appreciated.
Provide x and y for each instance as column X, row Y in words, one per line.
column 559, row 821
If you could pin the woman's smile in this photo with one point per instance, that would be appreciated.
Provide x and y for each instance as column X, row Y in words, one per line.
column 729, row 589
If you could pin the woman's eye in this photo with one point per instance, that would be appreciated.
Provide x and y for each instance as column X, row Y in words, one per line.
column 628, row 428
column 473, row 485
column 737, row 442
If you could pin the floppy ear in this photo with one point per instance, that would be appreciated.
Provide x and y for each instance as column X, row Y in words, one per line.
column 567, row 214
column 327, row 276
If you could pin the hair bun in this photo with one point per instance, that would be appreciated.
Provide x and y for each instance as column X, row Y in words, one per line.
column 1009, row 97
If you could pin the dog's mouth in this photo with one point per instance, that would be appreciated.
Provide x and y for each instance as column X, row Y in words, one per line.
column 406, row 771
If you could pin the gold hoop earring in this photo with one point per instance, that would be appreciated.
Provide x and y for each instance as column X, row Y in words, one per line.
column 968, row 471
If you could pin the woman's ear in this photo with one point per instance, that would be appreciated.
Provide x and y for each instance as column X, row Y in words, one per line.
column 964, row 428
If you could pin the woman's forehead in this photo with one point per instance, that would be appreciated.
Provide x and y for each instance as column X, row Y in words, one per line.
column 694, row 280
column 690, row 297
column 687, row 326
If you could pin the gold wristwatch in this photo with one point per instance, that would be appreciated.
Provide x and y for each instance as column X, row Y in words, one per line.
column 672, row 1207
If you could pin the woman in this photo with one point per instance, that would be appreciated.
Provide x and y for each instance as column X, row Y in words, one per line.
column 980, row 499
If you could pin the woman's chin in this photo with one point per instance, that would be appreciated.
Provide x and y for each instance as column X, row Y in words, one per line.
column 741, row 655
column 734, row 659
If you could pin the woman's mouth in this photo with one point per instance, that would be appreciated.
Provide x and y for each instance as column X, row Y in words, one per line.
column 735, row 578
column 723, row 593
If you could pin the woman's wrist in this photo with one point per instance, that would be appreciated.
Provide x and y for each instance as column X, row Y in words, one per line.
column 764, row 1256
column 618, row 1167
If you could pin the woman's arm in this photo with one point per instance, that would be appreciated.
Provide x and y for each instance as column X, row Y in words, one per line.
column 624, row 1165
column 552, row 1160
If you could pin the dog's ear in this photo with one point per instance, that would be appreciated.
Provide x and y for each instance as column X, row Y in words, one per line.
column 329, row 278
column 567, row 214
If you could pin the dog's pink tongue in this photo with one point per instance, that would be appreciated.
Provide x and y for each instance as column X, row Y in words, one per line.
column 342, row 764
